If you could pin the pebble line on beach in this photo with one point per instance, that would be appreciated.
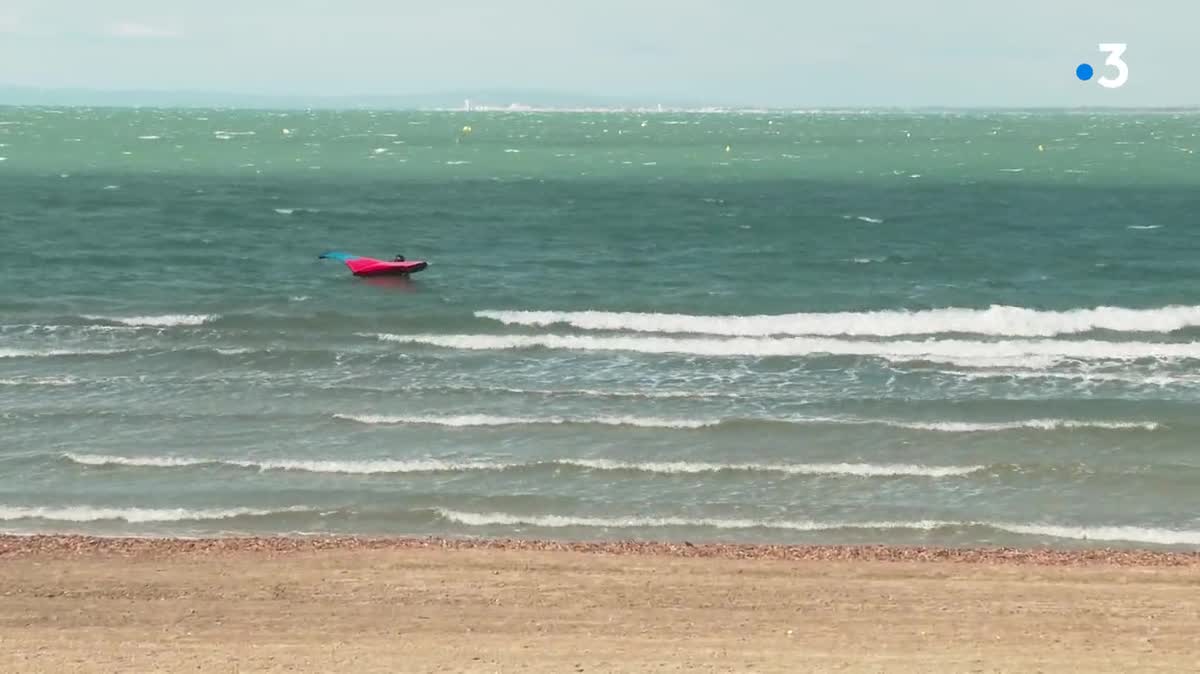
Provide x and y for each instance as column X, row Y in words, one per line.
column 75, row 545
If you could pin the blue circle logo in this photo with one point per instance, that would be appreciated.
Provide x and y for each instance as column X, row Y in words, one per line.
column 1115, row 50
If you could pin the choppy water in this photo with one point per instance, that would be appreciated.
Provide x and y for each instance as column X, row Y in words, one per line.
column 965, row 329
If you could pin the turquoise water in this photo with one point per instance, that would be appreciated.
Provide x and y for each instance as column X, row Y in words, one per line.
column 960, row 329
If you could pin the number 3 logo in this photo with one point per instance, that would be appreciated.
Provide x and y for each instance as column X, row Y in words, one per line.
column 1114, row 50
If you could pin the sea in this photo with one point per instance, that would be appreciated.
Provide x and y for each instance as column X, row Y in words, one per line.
column 951, row 328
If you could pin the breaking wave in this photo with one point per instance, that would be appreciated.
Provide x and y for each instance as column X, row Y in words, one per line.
column 997, row 320
column 133, row 515
column 467, row 420
column 385, row 466
column 1133, row 534
column 162, row 321
column 1012, row 353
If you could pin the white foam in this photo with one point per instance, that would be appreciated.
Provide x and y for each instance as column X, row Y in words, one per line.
column 154, row 461
column 133, row 515
column 1144, row 227
column 1035, row 424
column 367, row 467
column 601, row 393
column 849, row 469
column 996, row 320
column 864, row 218
column 285, row 211
column 149, row 137
column 467, row 420
column 41, row 381
column 1133, row 534
column 1012, row 353
column 1154, row 535
column 51, row 353
column 559, row 521
column 1087, row 377
column 166, row 320
column 584, row 392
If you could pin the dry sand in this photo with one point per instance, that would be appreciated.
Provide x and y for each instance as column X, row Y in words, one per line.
column 119, row 605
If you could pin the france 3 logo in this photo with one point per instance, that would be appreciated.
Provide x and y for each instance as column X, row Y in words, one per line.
column 1114, row 50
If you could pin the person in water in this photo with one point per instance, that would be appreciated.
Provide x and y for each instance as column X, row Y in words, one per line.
column 398, row 258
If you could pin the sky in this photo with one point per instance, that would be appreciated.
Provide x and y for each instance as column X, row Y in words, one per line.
column 776, row 53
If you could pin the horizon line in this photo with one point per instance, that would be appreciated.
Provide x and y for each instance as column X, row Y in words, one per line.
column 655, row 109
column 482, row 100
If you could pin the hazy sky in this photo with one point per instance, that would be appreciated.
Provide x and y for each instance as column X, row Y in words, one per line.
column 750, row 52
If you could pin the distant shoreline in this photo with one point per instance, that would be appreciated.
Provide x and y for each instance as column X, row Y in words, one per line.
column 26, row 545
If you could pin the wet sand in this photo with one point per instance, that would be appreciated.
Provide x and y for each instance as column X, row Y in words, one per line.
column 93, row 604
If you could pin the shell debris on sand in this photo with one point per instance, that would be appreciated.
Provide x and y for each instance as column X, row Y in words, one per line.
column 78, row 545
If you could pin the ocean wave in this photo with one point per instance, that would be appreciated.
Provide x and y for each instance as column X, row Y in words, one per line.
column 386, row 466
column 1156, row 535
column 1132, row 534
column 996, row 320
column 232, row 351
column 36, row 328
column 54, row 353
column 1085, row 377
column 1011, row 353
column 649, row 394
column 364, row 467
column 946, row 426
column 158, row 321
column 134, row 515
column 632, row 522
column 847, row 469
column 57, row 353
column 467, row 420
column 41, row 381
column 154, row 461
column 1036, row 424
column 592, row 393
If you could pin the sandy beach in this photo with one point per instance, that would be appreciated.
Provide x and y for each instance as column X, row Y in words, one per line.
column 93, row 604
